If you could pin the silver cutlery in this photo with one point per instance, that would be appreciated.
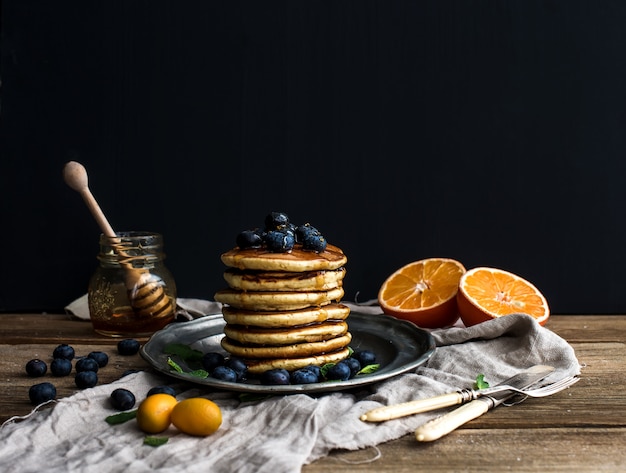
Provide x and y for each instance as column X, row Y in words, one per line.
column 518, row 383
column 446, row 423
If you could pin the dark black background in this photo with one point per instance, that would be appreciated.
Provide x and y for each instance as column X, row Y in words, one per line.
column 492, row 132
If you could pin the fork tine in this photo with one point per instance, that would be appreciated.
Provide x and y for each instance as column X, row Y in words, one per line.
column 552, row 388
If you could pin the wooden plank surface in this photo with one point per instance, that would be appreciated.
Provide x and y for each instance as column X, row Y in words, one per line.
column 582, row 428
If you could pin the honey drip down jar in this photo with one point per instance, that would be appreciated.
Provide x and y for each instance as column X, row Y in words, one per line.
column 131, row 293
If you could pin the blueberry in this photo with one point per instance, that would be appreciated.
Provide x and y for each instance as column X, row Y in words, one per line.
column 279, row 241
column 224, row 373
column 101, row 358
column 127, row 347
column 315, row 369
column 122, row 399
column 42, row 392
column 60, row 367
column 162, row 390
column 63, row 351
column 238, row 366
column 291, row 228
column 36, row 368
column 86, row 379
column 338, row 372
column 86, row 364
column 303, row 230
column 275, row 376
column 365, row 357
column 276, row 220
column 312, row 242
column 354, row 364
column 212, row 360
column 304, row 376
column 249, row 239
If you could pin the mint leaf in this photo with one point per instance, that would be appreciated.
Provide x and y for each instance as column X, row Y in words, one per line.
column 121, row 417
column 198, row 374
column 154, row 441
column 175, row 366
column 324, row 369
column 195, row 373
column 480, row 382
column 369, row 369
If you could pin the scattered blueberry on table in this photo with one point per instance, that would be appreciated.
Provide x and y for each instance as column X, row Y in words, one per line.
column 162, row 390
column 61, row 367
column 87, row 364
column 86, row 379
column 42, row 392
column 127, row 347
column 101, row 358
column 122, row 399
column 64, row 351
column 36, row 368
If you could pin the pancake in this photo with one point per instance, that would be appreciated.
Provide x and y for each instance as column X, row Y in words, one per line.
column 296, row 350
column 257, row 367
column 285, row 336
column 256, row 300
column 296, row 260
column 332, row 311
column 322, row 280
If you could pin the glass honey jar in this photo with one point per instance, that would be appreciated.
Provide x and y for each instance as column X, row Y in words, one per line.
column 131, row 293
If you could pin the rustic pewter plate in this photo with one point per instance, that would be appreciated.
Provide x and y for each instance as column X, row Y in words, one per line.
column 399, row 345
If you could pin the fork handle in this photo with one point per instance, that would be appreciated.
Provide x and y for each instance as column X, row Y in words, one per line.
column 395, row 411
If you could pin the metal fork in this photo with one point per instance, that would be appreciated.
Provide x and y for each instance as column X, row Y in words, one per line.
column 543, row 391
column 460, row 397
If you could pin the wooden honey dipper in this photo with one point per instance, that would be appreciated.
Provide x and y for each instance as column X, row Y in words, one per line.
column 146, row 291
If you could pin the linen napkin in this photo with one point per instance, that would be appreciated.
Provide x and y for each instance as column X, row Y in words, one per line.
column 280, row 433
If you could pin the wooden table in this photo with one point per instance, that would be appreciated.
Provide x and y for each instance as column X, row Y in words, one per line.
column 582, row 429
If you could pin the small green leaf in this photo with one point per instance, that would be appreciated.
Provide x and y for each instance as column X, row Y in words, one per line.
column 175, row 366
column 199, row 374
column 480, row 382
column 121, row 417
column 184, row 351
column 195, row 373
column 369, row 369
column 155, row 441
column 324, row 369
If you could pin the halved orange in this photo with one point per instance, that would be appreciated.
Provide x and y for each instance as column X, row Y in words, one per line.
column 487, row 293
column 423, row 292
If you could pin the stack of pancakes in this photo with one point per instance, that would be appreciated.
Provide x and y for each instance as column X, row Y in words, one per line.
column 282, row 310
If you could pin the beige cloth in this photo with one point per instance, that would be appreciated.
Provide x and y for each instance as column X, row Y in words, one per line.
column 281, row 433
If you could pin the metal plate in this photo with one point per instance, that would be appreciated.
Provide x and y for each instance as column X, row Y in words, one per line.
column 399, row 345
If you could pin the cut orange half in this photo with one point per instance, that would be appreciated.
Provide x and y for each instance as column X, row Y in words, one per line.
column 423, row 292
column 487, row 293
